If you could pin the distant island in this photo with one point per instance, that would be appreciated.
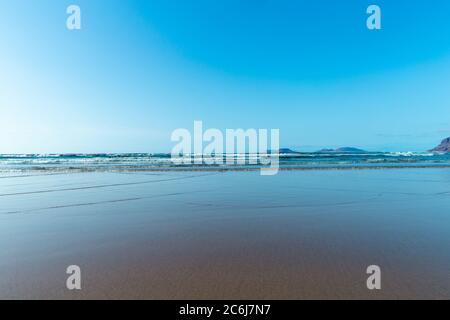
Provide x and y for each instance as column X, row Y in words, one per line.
column 286, row 151
column 443, row 147
column 338, row 150
column 342, row 150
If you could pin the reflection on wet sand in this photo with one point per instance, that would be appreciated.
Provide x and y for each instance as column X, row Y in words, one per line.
column 230, row 235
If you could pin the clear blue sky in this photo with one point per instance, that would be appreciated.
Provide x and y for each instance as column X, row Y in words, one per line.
column 137, row 70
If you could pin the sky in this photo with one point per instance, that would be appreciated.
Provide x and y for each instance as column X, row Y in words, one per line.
column 138, row 70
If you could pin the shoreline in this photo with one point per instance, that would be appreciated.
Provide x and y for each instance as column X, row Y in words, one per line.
column 217, row 169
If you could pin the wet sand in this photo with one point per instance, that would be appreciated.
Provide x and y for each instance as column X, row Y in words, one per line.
column 226, row 235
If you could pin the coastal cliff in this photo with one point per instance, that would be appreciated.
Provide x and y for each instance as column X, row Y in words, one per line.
column 443, row 147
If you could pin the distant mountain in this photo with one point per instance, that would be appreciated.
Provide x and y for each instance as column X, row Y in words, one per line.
column 342, row 150
column 286, row 150
column 443, row 147
column 283, row 151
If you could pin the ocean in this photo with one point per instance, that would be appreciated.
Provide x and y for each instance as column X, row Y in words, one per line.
column 132, row 162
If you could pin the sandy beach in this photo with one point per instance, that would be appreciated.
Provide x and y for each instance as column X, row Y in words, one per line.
column 226, row 235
